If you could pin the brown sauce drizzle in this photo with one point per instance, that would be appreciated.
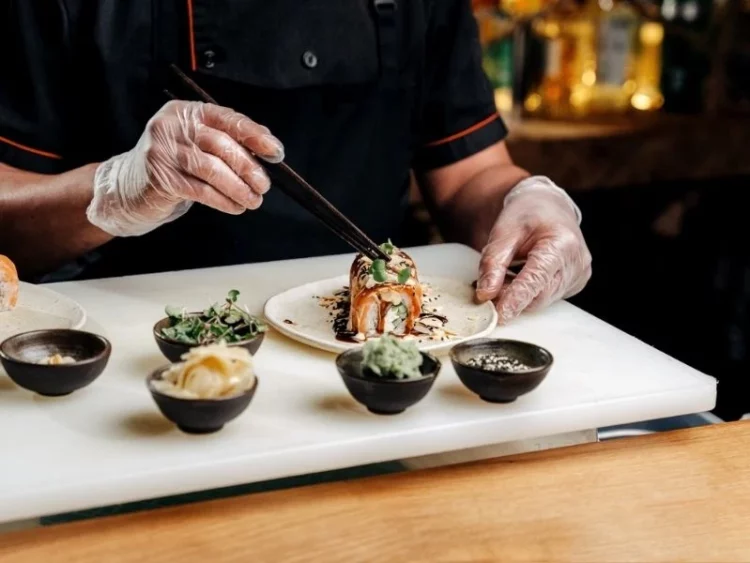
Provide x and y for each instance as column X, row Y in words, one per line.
column 347, row 336
column 441, row 318
column 341, row 319
column 341, row 326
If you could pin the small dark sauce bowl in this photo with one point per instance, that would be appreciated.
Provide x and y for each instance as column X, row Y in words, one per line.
column 199, row 416
column 21, row 353
column 174, row 350
column 385, row 396
column 501, row 386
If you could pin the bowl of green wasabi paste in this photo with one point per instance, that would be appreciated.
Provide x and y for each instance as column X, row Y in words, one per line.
column 388, row 375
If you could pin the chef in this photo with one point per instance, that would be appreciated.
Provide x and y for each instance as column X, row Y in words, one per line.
column 102, row 174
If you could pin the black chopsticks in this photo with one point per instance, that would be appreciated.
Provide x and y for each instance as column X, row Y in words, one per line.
column 294, row 186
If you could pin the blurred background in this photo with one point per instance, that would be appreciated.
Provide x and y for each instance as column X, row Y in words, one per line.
column 642, row 111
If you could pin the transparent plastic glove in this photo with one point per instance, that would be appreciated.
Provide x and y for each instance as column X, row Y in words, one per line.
column 539, row 223
column 189, row 152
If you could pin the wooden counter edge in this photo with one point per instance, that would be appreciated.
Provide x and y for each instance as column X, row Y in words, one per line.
column 682, row 495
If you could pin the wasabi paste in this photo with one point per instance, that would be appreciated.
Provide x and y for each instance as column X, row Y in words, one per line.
column 390, row 357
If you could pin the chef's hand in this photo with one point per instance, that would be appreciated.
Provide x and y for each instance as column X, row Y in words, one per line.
column 189, row 152
column 538, row 223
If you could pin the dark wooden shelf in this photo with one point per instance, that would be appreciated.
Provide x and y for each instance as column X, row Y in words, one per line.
column 663, row 149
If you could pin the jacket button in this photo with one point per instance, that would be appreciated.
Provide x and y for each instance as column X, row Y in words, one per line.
column 209, row 58
column 309, row 59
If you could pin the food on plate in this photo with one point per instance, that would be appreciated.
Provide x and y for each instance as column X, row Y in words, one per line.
column 216, row 371
column 226, row 322
column 390, row 358
column 8, row 284
column 385, row 297
column 57, row 360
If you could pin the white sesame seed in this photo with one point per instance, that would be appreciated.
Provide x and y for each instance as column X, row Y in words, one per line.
column 497, row 362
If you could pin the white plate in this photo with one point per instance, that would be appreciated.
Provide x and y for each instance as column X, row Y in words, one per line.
column 40, row 308
column 312, row 324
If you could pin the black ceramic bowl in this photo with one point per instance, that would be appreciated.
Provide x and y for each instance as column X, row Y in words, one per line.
column 21, row 354
column 173, row 350
column 501, row 386
column 385, row 396
column 199, row 416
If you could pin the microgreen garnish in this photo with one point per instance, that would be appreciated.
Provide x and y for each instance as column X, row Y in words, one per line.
column 174, row 312
column 401, row 311
column 221, row 321
column 378, row 270
column 388, row 247
column 404, row 275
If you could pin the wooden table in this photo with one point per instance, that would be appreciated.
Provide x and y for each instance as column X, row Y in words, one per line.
column 680, row 496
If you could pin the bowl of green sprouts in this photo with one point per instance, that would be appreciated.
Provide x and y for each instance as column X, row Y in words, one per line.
column 182, row 330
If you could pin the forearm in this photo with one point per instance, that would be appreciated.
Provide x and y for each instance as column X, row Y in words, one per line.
column 43, row 220
column 469, row 212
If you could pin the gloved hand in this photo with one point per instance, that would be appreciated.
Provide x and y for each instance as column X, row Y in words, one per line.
column 189, row 151
column 539, row 223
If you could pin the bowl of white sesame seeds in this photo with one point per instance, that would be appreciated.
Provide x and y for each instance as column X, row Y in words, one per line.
column 500, row 370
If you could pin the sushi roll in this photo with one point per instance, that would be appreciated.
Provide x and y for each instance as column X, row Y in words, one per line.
column 8, row 284
column 385, row 297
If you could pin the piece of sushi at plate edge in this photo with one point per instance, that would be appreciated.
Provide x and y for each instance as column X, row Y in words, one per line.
column 8, row 284
column 385, row 297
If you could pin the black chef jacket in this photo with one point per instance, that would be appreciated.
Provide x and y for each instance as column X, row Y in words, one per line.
column 359, row 92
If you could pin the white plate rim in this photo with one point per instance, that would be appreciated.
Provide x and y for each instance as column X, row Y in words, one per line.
column 338, row 347
column 41, row 296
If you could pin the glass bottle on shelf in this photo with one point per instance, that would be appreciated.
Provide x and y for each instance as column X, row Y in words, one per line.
column 598, row 56
column 523, row 9
column 564, row 90
column 617, row 25
column 495, row 35
column 521, row 13
column 648, row 68
column 685, row 67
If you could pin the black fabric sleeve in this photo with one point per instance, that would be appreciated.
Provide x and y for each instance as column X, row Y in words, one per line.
column 459, row 117
column 33, row 43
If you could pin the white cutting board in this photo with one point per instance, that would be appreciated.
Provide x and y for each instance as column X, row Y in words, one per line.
column 108, row 443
